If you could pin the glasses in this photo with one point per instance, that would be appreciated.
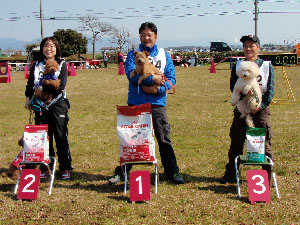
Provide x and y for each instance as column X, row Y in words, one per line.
column 49, row 46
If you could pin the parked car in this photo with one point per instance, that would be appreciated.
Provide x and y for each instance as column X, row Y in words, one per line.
column 219, row 47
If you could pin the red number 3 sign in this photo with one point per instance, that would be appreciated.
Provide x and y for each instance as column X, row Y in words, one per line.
column 258, row 186
column 29, row 184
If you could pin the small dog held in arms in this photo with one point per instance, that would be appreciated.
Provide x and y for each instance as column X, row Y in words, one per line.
column 48, row 82
column 143, row 67
column 247, row 94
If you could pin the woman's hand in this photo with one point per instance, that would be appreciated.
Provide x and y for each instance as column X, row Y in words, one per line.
column 27, row 104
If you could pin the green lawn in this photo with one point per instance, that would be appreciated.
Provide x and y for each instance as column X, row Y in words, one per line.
column 200, row 114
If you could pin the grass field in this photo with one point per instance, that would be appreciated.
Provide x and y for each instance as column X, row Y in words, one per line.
column 200, row 114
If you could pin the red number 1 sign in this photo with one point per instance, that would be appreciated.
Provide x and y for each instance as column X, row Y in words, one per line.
column 139, row 186
column 258, row 186
column 29, row 184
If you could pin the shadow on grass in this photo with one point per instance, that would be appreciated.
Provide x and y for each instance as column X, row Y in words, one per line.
column 201, row 179
column 120, row 198
column 220, row 189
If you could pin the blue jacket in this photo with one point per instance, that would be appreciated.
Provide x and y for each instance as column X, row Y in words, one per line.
column 136, row 95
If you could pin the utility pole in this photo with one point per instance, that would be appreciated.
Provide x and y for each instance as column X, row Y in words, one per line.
column 255, row 16
column 41, row 18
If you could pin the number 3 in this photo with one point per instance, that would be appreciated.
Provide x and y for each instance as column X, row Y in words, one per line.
column 260, row 183
column 30, row 183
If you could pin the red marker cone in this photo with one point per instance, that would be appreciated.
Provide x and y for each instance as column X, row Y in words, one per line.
column 73, row 72
column 121, row 70
column 26, row 72
column 8, row 75
column 212, row 67
column 69, row 69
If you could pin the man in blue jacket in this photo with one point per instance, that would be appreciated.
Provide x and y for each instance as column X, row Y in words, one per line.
column 148, row 93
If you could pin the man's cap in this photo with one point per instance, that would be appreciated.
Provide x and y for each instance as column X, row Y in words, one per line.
column 250, row 38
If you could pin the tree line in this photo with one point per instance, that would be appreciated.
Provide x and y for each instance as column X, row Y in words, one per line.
column 73, row 42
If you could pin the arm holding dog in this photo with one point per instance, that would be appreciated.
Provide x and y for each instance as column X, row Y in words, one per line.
column 130, row 67
column 269, row 94
column 29, row 91
column 169, row 73
column 57, row 86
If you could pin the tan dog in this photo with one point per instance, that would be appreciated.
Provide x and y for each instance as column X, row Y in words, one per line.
column 49, row 82
column 143, row 67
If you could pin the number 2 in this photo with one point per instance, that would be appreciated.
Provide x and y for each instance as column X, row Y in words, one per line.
column 260, row 183
column 30, row 183
column 139, row 179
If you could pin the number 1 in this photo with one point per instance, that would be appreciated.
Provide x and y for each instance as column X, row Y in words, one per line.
column 139, row 179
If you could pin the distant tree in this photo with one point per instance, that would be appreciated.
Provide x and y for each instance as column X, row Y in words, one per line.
column 120, row 37
column 29, row 47
column 71, row 42
column 97, row 28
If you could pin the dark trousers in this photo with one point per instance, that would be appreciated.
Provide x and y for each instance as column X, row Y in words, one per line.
column 162, row 134
column 238, row 135
column 57, row 119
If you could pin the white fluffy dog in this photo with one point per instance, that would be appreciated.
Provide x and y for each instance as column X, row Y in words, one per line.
column 247, row 94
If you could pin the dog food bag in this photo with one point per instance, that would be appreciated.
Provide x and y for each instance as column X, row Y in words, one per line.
column 36, row 143
column 135, row 133
column 255, row 144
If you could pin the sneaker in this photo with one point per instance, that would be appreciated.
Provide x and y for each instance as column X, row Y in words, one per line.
column 44, row 174
column 228, row 179
column 115, row 179
column 176, row 179
column 65, row 175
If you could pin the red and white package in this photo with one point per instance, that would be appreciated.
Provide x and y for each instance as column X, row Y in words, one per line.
column 135, row 133
column 36, row 143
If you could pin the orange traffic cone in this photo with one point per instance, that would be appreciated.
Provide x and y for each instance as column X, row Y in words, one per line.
column 212, row 67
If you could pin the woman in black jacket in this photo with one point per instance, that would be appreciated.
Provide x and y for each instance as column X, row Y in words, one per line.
column 55, row 113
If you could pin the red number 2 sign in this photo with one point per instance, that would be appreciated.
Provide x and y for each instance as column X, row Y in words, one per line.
column 139, row 186
column 258, row 186
column 29, row 184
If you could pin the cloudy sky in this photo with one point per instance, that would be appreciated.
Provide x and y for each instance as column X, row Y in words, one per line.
column 179, row 22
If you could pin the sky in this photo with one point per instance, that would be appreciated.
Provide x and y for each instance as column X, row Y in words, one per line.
column 179, row 22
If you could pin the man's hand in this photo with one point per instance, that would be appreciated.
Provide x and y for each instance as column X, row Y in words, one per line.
column 150, row 90
column 255, row 110
column 250, row 92
column 159, row 79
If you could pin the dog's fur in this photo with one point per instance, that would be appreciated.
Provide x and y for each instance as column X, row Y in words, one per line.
column 43, row 92
column 13, row 171
column 143, row 67
column 247, row 82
